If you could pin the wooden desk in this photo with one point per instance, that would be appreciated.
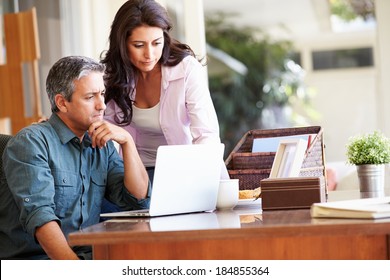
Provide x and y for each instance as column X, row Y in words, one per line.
column 283, row 235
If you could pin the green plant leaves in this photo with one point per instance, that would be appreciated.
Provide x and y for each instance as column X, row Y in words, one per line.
column 368, row 148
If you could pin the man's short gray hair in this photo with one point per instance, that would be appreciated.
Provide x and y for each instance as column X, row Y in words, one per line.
column 64, row 72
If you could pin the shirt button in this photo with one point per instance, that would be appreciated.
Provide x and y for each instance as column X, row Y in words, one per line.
column 64, row 180
column 26, row 199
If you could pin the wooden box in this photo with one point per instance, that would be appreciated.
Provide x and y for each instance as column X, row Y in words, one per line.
column 292, row 193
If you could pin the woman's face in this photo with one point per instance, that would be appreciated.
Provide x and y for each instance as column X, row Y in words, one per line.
column 145, row 46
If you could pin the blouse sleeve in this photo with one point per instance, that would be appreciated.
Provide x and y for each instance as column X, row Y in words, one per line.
column 203, row 118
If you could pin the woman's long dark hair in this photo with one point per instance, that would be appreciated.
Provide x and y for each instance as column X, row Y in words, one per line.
column 120, row 73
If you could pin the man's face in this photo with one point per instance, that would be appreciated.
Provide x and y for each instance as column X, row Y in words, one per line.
column 87, row 103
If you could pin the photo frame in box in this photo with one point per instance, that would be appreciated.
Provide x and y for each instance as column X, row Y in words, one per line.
column 289, row 158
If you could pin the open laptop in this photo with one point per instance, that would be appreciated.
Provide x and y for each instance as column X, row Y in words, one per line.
column 186, row 180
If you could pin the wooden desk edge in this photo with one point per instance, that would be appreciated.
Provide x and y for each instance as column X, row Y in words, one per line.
column 294, row 230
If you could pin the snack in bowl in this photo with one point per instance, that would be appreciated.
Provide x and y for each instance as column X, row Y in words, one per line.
column 248, row 194
column 247, row 219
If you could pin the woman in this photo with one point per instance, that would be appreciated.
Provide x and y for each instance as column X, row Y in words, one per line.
column 155, row 87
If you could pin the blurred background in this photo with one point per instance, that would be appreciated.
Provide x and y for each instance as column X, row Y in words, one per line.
column 270, row 63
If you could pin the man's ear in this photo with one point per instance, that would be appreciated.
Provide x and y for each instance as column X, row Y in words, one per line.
column 61, row 103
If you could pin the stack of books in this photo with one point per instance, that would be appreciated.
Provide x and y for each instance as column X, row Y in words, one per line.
column 366, row 208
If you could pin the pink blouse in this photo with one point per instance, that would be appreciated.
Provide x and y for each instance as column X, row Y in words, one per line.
column 187, row 113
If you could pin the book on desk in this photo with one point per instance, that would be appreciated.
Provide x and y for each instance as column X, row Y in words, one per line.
column 365, row 208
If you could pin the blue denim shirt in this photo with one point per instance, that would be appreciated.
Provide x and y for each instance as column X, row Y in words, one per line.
column 51, row 176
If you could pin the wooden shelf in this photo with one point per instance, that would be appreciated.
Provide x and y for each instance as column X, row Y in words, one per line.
column 19, row 78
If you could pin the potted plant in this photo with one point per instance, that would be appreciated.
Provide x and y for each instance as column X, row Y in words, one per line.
column 370, row 153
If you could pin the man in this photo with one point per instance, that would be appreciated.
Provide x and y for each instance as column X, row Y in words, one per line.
column 57, row 172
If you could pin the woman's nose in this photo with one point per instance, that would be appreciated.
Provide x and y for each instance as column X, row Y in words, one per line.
column 147, row 52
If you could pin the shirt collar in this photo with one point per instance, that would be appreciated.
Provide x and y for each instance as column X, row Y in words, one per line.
column 64, row 133
column 172, row 73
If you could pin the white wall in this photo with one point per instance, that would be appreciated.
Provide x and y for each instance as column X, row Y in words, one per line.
column 352, row 101
column 346, row 99
column 86, row 25
column 383, row 63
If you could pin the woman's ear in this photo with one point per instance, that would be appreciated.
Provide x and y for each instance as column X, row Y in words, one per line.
column 61, row 103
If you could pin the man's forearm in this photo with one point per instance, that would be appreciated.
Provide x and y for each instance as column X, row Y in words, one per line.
column 136, row 178
column 53, row 241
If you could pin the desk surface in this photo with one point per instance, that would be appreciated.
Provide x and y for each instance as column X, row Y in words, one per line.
column 224, row 224
column 204, row 233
